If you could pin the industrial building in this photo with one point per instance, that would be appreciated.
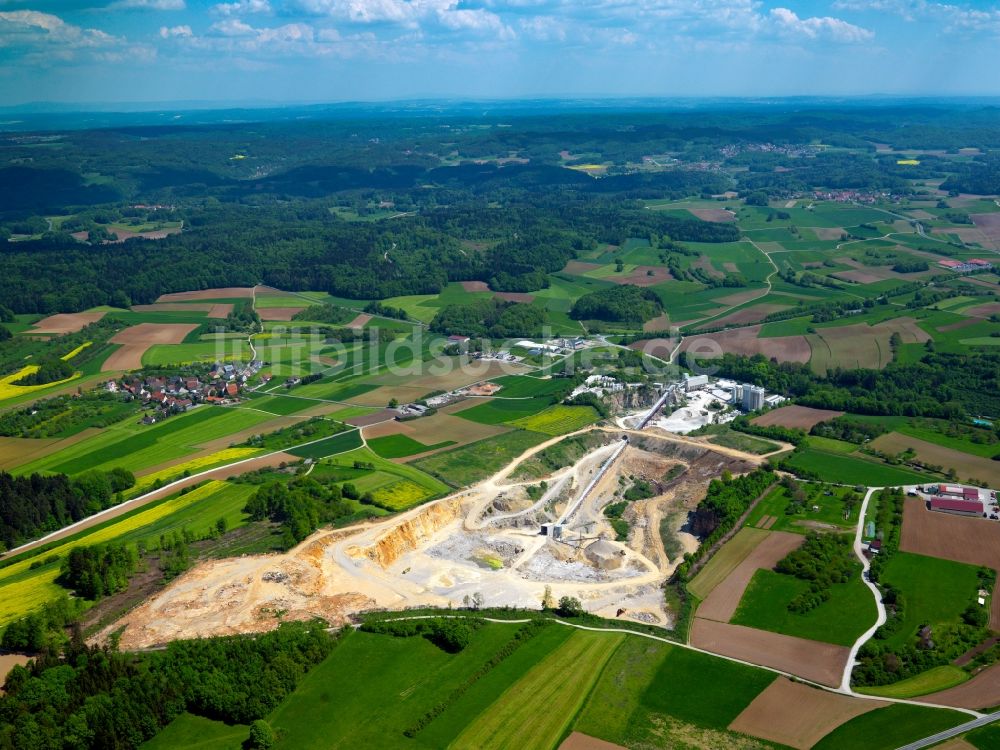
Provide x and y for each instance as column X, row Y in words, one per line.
column 694, row 382
column 753, row 397
column 956, row 506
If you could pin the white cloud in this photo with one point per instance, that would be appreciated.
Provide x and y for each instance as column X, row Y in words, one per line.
column 826, row 27
column 543, row 29
column 950, row 18
column 148, row 5
column 233, row 27
column 31, row 28
column 175, row 31
column 412, row 14
column 241, row 7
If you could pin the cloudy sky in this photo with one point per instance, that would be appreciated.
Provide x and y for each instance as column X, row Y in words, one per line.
column 335, row 50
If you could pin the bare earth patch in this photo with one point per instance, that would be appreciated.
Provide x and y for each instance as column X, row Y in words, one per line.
column 749, row 314
column 721, row 604
column 745, row 341
column 475, row 286
column 967, row 465
column 360, row 322
column 278, row 313
column 958, row 325
column 137, row 339
column 373, row 418
column 437, row 428
column 798, row 715
column 718, row 215
column 822, row 663
column 803, row 417
column 983, row 311
column 66, row 322
column 642, row 276
column 982, row 691
column 989, row 225
column 732, row 300
column 578, row 741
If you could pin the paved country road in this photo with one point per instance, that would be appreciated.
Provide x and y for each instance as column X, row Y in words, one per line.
column 953, row 732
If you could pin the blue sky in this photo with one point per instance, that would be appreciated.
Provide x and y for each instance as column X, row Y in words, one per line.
column 336, row 50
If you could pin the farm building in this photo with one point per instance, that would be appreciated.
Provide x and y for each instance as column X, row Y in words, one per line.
column 964, row 266
column 604, row 555
column 956, row 506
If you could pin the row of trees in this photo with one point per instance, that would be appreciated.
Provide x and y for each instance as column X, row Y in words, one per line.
column 301, row 506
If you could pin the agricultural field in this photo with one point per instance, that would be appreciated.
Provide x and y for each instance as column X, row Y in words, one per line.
column 967, row 467
column 890, row 727
column 501, row 411
column 24, row 588
column 848, row 613
column 401, row 446
column 723, row 562
column 848, row 469
column 824, row 509
column 936, row 592
column 476, row 461
column 558, row 420
column 396, row 486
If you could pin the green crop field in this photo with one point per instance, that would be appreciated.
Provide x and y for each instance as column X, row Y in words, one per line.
column 386, row 472
column 523, row 386
column 400, row 446
column 848, row 613
column 890, row 727
column 136, row 447
column 476, row 461
column 931, row 681
column 498, row 411
column 700, row 702
column 985, row 738
column 558, row 420
column 404, row 677
column 198, row 733
column 560, row 683
column 936, row 591
column 841, row 469
column 748, row 443
column 345, row 441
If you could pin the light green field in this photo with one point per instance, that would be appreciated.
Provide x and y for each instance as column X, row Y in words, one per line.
column 931, row 681
column 723, row 562
column 558, row 685
column 558, row 419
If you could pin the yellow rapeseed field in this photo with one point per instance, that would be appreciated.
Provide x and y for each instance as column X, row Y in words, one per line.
column 19, row 597
column 8, row 390
column 219, row 458
column 84, row 345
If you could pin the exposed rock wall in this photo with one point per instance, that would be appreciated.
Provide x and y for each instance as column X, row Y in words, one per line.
column 409, row 534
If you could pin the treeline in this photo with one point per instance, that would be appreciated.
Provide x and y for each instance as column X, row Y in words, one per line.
column 98, row 698
column 622, row 303
column 942, row 385
column 333, row 314
column 31, row 506
column 493, row 318
column 451, row 634
column 301, row 506
column 726, row 501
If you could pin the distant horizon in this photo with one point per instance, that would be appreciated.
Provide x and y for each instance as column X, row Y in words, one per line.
column 457, row 100
column 295, row 51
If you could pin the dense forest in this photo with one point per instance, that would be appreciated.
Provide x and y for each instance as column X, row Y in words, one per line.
column 493, row 318
column 35, row 504
column 98, row 698
column 624, row 303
